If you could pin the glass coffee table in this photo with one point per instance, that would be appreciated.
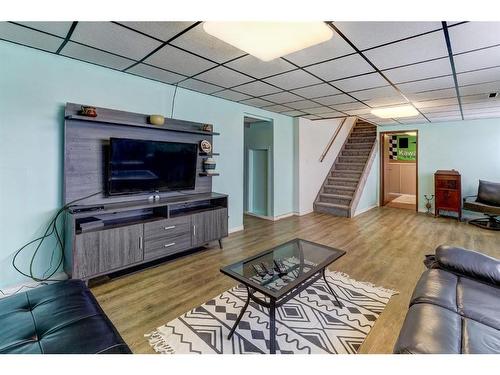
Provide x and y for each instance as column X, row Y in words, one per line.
column 305, row 263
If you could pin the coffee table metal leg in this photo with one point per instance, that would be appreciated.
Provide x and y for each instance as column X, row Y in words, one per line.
column 272, row 326
column 240, row 316
column 331, row 290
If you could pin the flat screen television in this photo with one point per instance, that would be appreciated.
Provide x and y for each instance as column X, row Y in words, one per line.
column 142, row 166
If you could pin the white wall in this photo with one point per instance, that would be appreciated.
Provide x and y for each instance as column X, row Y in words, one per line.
column 312, row 137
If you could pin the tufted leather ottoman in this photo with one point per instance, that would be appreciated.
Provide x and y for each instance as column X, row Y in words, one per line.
column 57, row 318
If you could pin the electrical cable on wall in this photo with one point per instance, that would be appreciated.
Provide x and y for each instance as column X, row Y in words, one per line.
column 49, row 231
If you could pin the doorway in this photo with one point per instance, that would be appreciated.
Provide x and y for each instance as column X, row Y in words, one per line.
column 399, row 169
column 258, row 167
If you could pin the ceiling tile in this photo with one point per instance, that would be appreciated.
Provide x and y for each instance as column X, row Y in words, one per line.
column 413, row 120
column 315, row 91
column 231, row 95
column 433, row 94
column 436, row 110
column 427, row 84
column 320, row 110
column 445, row 118
column 312, row 117
column 293, row 80
column 292, row 113
column 19, row 34
column 415, row 72
column 198, row 41
column 161, row 30
column 485, row 104
column 378, row 92
column 114, row 38
column 176, row 60
column 276, row 108
column 341, row 68
column 385, row 122
column 426, row 47
column 257, row 88
column 369, row 34
column 435, row 102
column 155, row 73
column 57, row 28
column 195, row 85
column 335, row 47
column 352, row 106
column 302, row 104
column 258, row 68
column 483, row 110
column 363, row 82
column 282, row 97
column 356, row 112
column 474, row 98
column 479, row 76
column 95, row 56
column 473, row 35
column 386, row 101
column 480, row 88
column 256, row 102
column 491, row 114
column 223, row 77
column 334, row 99
column 484, row 58
column 331, row 114
column 442, row 114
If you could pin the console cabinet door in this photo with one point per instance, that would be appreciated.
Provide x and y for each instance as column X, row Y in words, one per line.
column 208, row 226
column 101, row 251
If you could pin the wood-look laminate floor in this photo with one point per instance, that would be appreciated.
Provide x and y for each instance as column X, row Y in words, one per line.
column 385, row 246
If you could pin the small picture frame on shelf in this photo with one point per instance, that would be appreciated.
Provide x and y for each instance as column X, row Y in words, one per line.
column 205, row 146
column 207, row 128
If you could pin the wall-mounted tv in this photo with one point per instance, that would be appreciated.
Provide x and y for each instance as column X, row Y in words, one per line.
column 142, row 166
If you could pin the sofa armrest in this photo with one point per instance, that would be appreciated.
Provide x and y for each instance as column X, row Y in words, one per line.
column 469, row 263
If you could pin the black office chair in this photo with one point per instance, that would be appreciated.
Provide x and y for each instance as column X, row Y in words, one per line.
column 487, row 202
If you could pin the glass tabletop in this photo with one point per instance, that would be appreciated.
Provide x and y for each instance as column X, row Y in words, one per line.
column 301, row 259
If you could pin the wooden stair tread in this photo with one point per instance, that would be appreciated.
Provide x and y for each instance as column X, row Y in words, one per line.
column 335, row 205
column 338, row 196
column 339, row 187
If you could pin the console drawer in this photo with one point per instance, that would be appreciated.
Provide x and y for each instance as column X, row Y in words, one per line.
column 155, row 248
column 167, row 228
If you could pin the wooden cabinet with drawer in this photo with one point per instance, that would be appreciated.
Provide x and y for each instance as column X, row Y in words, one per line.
column 448, row 192
column 167, row 237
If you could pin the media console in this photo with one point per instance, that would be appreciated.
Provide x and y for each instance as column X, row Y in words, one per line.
column 107, row 233
column 129, row 234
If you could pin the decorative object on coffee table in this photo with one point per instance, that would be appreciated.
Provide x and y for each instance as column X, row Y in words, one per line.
column 428, row 205
column 88, row 111
column 206, row 146
column 156, row 120
column 209, row 166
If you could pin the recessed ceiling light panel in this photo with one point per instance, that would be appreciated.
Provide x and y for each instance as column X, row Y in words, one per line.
column 269, row 40
column 395, row 112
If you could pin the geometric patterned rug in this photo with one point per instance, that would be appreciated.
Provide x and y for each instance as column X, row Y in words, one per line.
column 310, row 323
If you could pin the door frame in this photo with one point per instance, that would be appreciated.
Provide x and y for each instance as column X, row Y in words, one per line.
column 381, row 157
column 269, row 186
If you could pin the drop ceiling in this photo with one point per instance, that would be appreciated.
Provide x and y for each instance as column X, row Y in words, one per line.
column 446, row 70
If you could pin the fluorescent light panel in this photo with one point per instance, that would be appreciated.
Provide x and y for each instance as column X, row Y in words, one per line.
column 395, row 112
column 269, row 40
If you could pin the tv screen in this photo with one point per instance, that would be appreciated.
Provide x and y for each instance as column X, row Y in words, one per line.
column 137, row 166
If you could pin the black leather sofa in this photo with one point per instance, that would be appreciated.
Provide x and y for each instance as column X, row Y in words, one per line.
column 58, row 318
column 455, row 307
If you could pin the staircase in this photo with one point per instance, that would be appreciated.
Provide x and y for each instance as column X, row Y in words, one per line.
column 340, row 193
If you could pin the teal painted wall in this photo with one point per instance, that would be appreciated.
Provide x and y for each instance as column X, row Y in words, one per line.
column 259, row 135
column 34, row 87
column 472, row 147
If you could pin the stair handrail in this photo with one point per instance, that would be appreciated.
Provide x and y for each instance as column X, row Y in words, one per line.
column 337, row 131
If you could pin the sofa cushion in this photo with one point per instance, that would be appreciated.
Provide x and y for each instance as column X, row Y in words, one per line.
column 479, row 338
column 437, row 287
column 488, row 193
column 430, row 329
column 58, row 318
column 479, row 301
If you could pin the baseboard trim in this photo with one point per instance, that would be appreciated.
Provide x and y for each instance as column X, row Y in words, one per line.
column 28, row 285
column 271, row 218
column 236, row 229
column 365, row 210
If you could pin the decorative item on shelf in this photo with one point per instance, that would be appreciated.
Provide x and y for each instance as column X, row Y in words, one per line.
column 207, row 128
column 88, row 111
column 209, row 166
column 206, row 146
column 428, row 205
column 156, row 120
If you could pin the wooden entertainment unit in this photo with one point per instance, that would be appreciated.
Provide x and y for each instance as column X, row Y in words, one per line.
column 106, row 233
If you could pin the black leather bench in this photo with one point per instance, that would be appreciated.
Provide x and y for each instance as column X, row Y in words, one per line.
column 455, row 307
column 58, row 318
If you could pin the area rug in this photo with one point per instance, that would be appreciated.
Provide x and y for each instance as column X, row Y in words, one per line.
column 307, row 324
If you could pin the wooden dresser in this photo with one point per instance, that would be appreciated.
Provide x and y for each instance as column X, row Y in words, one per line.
column 448, row 192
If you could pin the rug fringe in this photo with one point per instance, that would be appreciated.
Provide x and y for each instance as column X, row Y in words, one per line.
column 392, row 292
column 158, row 343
